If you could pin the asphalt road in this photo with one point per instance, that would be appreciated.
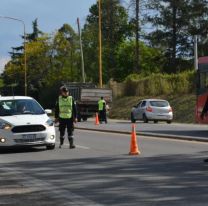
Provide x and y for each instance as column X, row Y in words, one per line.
column 100, row 172
column 175, row 130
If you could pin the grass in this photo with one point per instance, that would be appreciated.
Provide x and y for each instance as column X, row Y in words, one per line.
column 183, row 107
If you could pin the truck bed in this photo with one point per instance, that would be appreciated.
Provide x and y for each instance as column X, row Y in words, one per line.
column 94, row 94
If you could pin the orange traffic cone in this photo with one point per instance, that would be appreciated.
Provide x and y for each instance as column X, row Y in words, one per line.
column 134, row 147
column 96, row 119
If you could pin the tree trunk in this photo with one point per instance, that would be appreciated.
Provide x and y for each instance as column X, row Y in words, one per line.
column 174, row 36
column 137, row 62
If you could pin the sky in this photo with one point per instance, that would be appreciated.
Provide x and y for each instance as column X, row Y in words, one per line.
column 51, row 15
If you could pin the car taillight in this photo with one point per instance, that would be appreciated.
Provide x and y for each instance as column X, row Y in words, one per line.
column 149, row 109
column 170, row 110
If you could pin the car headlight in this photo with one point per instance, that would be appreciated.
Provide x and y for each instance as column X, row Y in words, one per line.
column 49, row 122
column 4, row 125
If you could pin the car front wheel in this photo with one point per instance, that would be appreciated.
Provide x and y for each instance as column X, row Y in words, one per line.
column 50, row 147
column 169, row 121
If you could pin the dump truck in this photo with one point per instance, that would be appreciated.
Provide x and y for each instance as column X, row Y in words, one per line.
column 86, row 96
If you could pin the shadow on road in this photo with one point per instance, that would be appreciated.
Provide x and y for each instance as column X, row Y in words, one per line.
column 20, row 149
column 123, row 180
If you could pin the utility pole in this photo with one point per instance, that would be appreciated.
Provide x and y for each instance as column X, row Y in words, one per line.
column 100, row 45
column 195, row 53
column 81, row 50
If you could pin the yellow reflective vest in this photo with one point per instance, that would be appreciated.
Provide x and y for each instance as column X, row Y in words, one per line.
column 65, row 107
column 101, row 104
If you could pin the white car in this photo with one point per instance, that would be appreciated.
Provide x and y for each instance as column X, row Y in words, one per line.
column 152, row 109
column 23, row 122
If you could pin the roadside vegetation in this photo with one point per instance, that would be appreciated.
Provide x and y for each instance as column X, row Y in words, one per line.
column 182, row 105
column 160, row 84
column 178, row 89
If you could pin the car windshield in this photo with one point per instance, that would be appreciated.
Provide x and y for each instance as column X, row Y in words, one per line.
column 159, row 103
column 19, row 107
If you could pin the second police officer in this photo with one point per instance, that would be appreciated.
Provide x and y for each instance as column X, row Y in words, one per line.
column 102, row 110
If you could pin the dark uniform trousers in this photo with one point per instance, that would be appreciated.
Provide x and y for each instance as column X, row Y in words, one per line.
column 63, row 124
column 102, row 116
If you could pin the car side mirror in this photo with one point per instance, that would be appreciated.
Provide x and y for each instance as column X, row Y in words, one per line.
column 48, row 111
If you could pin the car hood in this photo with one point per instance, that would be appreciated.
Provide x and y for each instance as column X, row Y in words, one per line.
column 25, row 119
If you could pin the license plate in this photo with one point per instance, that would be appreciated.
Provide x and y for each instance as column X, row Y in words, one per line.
column 29, row 136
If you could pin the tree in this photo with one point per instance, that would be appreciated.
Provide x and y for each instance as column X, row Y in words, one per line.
column 151, row 60
column 199, row 24
column 136, row 24
column 175, row 22
column 14, row 70
column 65, row 55
column 18, row 51
column 171, row 18
column 35, row 33
column 38, row 64
column 115, row 29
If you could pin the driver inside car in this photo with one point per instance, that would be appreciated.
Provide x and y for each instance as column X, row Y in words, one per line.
column 21, row 108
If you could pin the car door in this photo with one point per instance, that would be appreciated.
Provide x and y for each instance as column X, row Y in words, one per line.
column 142, row 109
column 136, row 110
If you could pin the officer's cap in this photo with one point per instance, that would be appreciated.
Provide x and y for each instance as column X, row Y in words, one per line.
column 63, row 89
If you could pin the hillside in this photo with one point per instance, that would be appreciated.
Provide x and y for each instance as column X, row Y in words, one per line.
column 183, row 107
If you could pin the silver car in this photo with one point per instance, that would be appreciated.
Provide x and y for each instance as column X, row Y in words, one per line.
column 152, row 109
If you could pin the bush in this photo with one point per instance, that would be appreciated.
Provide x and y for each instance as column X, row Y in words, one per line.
column 160, row 84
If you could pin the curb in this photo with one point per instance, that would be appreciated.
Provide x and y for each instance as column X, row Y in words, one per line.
column 147, row 134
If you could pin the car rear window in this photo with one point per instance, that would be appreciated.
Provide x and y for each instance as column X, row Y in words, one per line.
column 159, row 103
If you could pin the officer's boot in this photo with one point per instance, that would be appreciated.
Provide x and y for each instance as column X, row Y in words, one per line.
column 61, row 141
column 71, row 142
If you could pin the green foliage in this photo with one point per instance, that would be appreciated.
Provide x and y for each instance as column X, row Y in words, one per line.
column 151, row 59
column 55, row 58
column 115, row 30
column 174, row 25
column 1, row 83
column 160, row 84
column 50, row 59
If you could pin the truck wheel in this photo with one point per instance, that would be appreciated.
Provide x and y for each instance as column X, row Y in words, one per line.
column 79, row 118
column 84, row 118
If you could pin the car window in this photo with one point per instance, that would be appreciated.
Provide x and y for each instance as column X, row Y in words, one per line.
column 159, row 103
column 139, row 104
column 19, row 107
column 143, row 104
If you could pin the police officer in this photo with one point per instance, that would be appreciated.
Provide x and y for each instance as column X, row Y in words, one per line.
column 102, row 110
column 66, row 115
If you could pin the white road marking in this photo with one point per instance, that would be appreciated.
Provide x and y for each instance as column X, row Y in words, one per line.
column 78, row 146
column 82, row 147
